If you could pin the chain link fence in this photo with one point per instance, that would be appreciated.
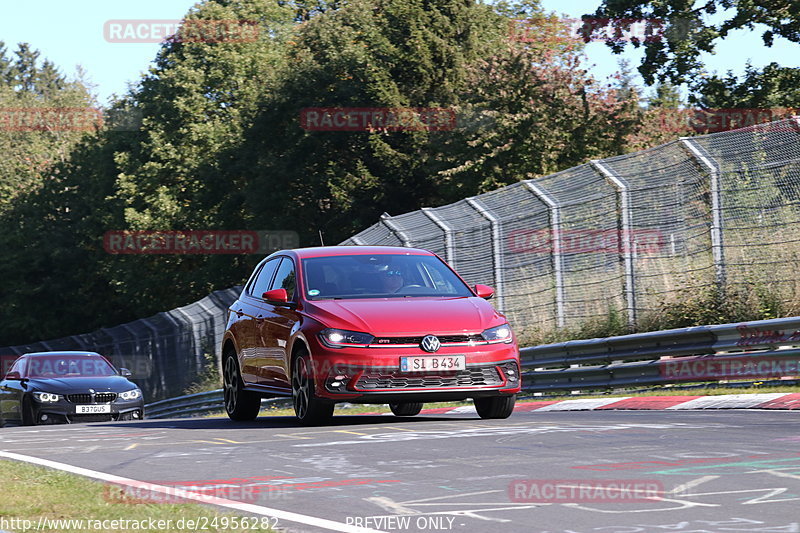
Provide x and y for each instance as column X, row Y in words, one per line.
column 627, row 233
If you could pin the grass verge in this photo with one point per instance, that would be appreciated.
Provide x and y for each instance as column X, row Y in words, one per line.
column 67, row 503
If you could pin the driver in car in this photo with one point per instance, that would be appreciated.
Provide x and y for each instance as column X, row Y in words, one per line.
column 392, row 280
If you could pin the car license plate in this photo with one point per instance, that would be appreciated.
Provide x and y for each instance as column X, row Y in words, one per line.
column 92, row 409
column 433, row 363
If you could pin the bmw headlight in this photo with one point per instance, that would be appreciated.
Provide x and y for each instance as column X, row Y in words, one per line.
column 46, row 397
column 131, row 394
column 497, row 334
column 339, row 338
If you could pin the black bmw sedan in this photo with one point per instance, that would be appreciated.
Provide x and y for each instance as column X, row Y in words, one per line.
column 67, row 387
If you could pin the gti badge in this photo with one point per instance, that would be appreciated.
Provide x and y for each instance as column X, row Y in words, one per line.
column 430, row 343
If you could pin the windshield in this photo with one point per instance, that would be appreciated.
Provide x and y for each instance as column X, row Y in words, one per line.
column 52, row 366
column 380, row 276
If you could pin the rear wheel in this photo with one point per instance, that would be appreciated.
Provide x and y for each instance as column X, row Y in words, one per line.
column 239, row 403
column 496, row 406
column 309, row 409
column 406, row 408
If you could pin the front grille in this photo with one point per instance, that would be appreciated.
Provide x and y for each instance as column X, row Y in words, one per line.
column 105, row 397
column 100, row 397
column 444, row 339
column 472, row 377
column 91, row 418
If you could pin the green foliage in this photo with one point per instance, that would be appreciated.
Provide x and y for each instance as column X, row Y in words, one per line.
column 675, row 56
column 772, row 87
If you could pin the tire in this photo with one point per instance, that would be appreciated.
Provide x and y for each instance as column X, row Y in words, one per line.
column 308, row 409
column 241, row 405
column 28, row 417
column 496, row 406
column 406, row 408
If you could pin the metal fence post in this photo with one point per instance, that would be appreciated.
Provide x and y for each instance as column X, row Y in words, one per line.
column 715, row 177
column 497, row 258
column 387, row 220
column 622, row 186
column 558, row 259
column 448, row 235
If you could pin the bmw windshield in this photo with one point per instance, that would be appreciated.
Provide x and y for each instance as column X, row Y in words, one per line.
column 380, row 276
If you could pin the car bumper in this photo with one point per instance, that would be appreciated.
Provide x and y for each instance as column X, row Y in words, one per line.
column 373, row 375
column 65, row 413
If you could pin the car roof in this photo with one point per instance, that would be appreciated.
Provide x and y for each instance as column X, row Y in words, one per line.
column 332, row 251
column 66, row 353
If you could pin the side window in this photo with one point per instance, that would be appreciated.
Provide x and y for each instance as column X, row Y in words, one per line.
column 442, row 285
column 18, row 366
column 261, row 283
column 285, row 278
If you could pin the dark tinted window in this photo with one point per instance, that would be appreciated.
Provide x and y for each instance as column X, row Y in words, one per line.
column 285, row 278
column 261, row 283
column 380, row 276
column 68, row 366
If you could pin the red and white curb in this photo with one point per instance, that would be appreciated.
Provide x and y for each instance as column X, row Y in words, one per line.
column 780, row 400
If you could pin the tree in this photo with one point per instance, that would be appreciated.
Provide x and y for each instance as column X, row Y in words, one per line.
column 680, row 32
column 773, row 87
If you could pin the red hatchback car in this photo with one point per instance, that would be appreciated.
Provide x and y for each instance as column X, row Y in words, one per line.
column 365, row 324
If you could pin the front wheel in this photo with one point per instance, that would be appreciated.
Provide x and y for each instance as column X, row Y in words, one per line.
column 496, row 406
column 406, row 408
column 309, row 409
column 28, row 416
column 241, row 405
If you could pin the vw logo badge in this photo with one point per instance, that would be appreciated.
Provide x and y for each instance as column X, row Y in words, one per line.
column 430, row 343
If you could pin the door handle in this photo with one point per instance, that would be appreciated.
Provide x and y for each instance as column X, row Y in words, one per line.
column 260, row 319
column 239, row 313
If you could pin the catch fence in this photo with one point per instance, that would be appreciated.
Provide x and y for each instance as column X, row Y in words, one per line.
column 629, row 233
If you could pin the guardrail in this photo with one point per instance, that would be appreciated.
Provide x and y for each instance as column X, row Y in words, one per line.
column 723, row 352
column 758, row 349
column 201, row 403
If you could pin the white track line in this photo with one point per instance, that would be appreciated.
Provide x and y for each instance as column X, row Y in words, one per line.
column 202, row 498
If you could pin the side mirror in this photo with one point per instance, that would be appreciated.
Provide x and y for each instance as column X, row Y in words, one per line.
column 125, row 373
column 484, row 291
column 13, row 375
column 277, row 296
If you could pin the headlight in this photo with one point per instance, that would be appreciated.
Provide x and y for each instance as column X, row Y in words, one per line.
column 46, row 397
column 497, row 333
column 131, row 394
column 339, row 338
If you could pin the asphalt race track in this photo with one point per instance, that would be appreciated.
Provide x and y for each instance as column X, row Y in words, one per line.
column 555, row 472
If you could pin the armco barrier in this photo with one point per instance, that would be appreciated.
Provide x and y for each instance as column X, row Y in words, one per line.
column 201, row 403
column 765, row 348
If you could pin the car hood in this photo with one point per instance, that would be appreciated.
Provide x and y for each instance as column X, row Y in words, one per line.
column 407, row 316
column 78, row 385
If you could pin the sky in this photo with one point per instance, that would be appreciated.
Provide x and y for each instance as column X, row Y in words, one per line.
column 71, row 34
